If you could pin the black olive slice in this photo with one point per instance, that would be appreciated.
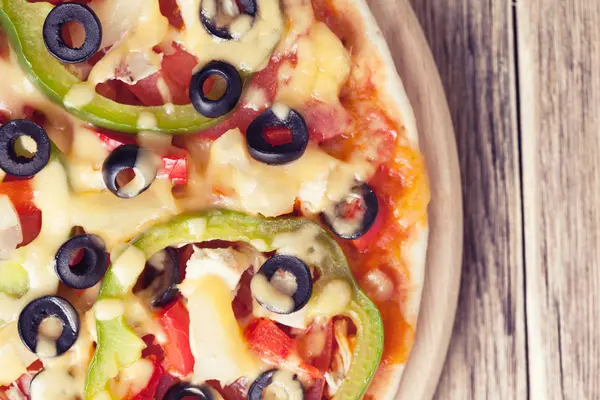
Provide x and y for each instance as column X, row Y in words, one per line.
column 44, row 307
column 218, row 107
column 23, row 163
column 62, row 15
column 259, row 147
column 291, row 387
column 354, row 215
column 161, row 277
column 274, row 299
column 249, row 8
column 184, row 390
column 129, row 157
column 90, row 269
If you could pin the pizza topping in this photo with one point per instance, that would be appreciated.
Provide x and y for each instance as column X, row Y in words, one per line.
column 277, row 151
column 215, row 334
column 178, row 358
column 276, row 385
column 254, row 41
column 55, row 384
column 24, row 148
column 224, row 18
column 49, row 341
column 204, row 101
column 283, row 284
column 354, row 215
column 158, row 282
column 82, row 261
column 11, row 234
column 109, row 309
column 342, row 356
column 129, row 171
column 187, row 391
column 67, row 13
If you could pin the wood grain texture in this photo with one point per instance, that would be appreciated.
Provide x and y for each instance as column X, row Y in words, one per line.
column 559, row 69
column 472, row 42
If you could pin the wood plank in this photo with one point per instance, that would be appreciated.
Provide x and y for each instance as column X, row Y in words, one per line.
column 472, row 41
column 559, row 64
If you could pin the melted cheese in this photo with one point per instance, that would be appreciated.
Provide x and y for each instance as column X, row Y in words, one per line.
column 134, row 50
column 52, row 198
column 143, row 321
column 133, row 379
column 323, row 67
column 227, row 264
column 128, row 267
column 284, row 385
column 215, row 336
column 14, row 356
column 108, row 309
column 333, row 300
column 53, row 384
column 266, row 293
column 232, row 171
column 249, row 53
column 117, row 220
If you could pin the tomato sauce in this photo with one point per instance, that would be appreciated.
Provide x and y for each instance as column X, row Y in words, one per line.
column 400, row 184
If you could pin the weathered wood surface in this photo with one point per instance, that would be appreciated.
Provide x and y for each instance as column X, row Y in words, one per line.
column 559, row 84
column 523, row 85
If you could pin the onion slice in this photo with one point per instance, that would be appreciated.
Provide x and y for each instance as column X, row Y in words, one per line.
column 11, row 234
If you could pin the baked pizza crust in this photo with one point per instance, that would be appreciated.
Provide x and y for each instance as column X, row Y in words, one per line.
column 373, row 52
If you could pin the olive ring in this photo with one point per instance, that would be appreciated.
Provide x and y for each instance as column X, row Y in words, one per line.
column 302, row 275
column 20, row 166
column 250, row 8
column 44, row 307
column 371, row 208
column 261, row 150
column 227, row 102
column 182, row 390
column 52, row 32
column 89, row 270
column 127, row 156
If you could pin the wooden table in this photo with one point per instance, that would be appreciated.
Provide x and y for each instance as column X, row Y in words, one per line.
column 523, row 84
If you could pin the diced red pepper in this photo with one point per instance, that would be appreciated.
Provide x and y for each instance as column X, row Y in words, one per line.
column 170, row 9
column 175, row 320
column 277, row 136
column 21, row 195
column 274, row 346
column 174, row 164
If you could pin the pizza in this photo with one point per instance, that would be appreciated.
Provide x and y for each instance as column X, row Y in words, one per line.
column 210, row 199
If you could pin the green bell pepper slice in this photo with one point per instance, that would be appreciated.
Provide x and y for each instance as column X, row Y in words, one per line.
column 23, row 22
column 118, row 345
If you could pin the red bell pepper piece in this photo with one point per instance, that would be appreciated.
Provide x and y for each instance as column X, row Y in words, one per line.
column 21, row 195
column 174, row 164
column 175, row 320
column 274, row 346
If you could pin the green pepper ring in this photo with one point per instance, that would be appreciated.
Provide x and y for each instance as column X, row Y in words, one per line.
column 233, row 226
column 23, row 23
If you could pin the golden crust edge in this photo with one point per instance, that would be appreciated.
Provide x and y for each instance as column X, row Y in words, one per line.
column 391, row 90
